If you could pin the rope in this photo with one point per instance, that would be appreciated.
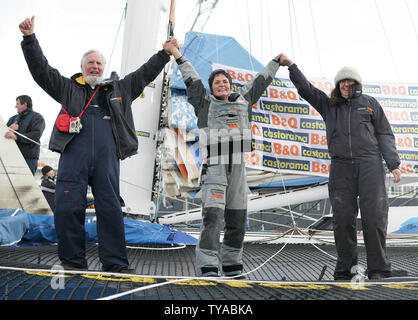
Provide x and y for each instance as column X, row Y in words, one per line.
column 181, row 246
column 290, row 26
column 297, row 33
column 412, row 20
column 249, row 37
column 316, row 39
column 117, row 36
column 387, row 40
column 25, row 137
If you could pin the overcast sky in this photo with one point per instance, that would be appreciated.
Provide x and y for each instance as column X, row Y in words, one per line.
column 320, row 35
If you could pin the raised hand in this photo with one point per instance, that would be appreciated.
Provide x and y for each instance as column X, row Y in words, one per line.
column 284, row 60
column 27, row 26
column 171, row 47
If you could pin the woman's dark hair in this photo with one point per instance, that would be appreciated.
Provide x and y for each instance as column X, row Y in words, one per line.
column 215, row 73
column 336, row 97
column 25, row 98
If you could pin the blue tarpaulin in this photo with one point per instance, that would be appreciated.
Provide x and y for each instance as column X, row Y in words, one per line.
column 203, row 49
column 39, row 228
column 410, row 226
column 13, row 225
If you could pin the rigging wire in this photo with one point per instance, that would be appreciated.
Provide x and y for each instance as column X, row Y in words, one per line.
column 117, row 36
column 269, row 24
column 297, row 32
column 387, row 40
column 412, row 20
column 291, row 27
column 250, row 55
column 210, row 8
column 316, row 39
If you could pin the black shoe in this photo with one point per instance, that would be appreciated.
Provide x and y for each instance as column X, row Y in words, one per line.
column 71, row 267
column 343, row 276
column 209, row 272
column 127, row 271
column 237, row 277
column 378, row 275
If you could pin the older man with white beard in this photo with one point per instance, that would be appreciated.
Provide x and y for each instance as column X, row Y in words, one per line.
column 101, row 133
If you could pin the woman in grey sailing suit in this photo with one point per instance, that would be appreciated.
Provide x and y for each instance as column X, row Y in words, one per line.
column 224, row 123
column 358, row 135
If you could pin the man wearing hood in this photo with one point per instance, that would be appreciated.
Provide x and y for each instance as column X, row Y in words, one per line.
column 358, row 136
column 100, row 134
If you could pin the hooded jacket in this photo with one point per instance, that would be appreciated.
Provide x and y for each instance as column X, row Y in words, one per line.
column 32, row 125
column 357, row 129
column 73, row 95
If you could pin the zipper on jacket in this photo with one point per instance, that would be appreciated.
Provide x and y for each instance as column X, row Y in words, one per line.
column 115, row 133
column 349, row 129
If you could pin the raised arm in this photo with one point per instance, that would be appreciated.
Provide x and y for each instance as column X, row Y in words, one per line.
column 136, row 81
column 48, row 78
column 316, row 98
column 196, row 92
column 27, row 26
column 253, row 90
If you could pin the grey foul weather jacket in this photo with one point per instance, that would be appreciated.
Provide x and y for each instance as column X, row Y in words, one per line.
column 357, row 129
column 73, row 95
column 230, row 120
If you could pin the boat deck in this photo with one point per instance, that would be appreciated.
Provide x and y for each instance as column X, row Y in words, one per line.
column 293, row 272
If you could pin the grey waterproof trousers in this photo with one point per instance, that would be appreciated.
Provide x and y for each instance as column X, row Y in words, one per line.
column 224, row 195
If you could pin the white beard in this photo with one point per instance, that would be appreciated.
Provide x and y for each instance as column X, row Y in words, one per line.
column 93, row 80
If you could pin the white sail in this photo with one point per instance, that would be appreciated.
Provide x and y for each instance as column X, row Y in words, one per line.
column 18, row 186
column 145, row 31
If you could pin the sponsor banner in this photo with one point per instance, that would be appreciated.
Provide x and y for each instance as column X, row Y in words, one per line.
column 288, row 135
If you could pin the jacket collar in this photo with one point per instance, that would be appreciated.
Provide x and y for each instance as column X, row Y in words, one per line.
column 79, row 79
column 25, row 112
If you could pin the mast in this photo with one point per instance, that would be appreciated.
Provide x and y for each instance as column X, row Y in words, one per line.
column 145, row 31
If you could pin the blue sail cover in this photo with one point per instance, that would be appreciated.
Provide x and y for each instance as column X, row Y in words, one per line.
column 40, row 228
column 202, row 49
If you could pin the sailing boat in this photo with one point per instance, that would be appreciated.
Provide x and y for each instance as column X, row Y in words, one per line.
column 281, row 112
column 146, row 184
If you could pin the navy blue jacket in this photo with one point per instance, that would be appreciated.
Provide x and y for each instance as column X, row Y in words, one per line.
column 357, row 129
column 32, row 125
column 73, row 95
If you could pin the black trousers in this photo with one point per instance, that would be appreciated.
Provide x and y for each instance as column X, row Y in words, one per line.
column 352, row 186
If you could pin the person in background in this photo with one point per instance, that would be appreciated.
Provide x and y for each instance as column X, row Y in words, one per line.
column 48, row 185
column 224, row 124
column 358, row 135
column 101, row 133
column 30, row 124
